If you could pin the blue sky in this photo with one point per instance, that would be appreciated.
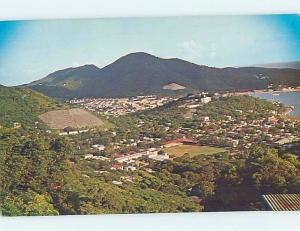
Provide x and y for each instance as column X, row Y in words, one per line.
column 30, row 50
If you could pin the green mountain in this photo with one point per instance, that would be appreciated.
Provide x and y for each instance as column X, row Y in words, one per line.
column 142, row 73
column 23, row 106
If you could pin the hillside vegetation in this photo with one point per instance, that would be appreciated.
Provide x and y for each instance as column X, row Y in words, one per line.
column 40, row 175
column 250, row 107
column 23, row 106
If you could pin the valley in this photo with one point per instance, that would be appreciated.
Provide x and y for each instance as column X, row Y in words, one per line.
column 178, row 149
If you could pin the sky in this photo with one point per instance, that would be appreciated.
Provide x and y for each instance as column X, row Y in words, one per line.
column 30, row 50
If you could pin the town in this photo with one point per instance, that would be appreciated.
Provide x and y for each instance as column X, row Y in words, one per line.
column 122, row 106
column 229, row 134
column 191, row 149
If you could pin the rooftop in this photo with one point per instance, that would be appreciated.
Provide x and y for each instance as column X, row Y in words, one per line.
column 283, row 202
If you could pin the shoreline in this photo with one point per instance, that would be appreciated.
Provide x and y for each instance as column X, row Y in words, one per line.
column 278, row 91
column 285, row 115
column 264, row 91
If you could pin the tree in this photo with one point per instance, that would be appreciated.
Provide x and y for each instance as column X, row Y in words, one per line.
column 272, row 173
column 28, row 204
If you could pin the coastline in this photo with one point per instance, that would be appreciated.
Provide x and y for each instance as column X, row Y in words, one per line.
column 285, row 115
column 278, row 91
column 289, row 109
column 264, row 91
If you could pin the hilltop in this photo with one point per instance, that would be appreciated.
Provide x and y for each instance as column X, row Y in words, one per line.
column 141, row 74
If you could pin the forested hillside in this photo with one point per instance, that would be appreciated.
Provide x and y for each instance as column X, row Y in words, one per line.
column 141, row 74
column 23, row 106
column 43, row 173
column 252, row 108
column 40, row 175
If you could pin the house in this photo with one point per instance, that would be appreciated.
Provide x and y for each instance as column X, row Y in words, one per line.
column 101, row 158
column 129, row 157
column 206, row 100
column 160, row 157
column 284, row 141
column 204, row 119
column 233, row 142
column 127, row 178
column 116, row 167
column 130, row 168
column 17, row 125
column 117, row 182
column 149, row 170
column 88, row 156
column 192, row 106
column 99, row 147
column 229, row 117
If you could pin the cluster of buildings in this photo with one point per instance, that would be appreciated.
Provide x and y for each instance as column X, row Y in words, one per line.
column 197, row 100
column 242, row 133
column 122, row 106
column 236, row 133
column 126, row 161
column 66, row 133
column 151, row 153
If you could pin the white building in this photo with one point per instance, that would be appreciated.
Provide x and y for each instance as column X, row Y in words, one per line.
column 130, row 168
column 160, row 157
column 88, row 156
column 206, row 100
column 205, row 118
column 128, row 158
column 99, row 147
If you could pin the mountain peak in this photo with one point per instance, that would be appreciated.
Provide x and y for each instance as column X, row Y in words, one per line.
column 138, row 56
column 140, row 73
column 89, row 66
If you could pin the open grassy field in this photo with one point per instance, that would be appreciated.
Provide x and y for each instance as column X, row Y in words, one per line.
column 75, row 118
column 192, row 150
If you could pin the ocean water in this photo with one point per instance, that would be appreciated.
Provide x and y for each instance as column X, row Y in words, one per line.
column 287, row 98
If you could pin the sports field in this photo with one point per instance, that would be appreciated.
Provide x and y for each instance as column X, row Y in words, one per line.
column 192, row 150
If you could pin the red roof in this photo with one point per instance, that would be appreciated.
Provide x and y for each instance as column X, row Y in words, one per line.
column 118, row 155
column 117, row 166
column 180, row 141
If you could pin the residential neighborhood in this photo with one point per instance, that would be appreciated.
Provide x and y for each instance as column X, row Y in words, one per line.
column 122, row 106
column 232, row 133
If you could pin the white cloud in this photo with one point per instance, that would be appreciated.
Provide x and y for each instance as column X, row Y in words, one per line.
column 189, row 45
column 191, row 50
